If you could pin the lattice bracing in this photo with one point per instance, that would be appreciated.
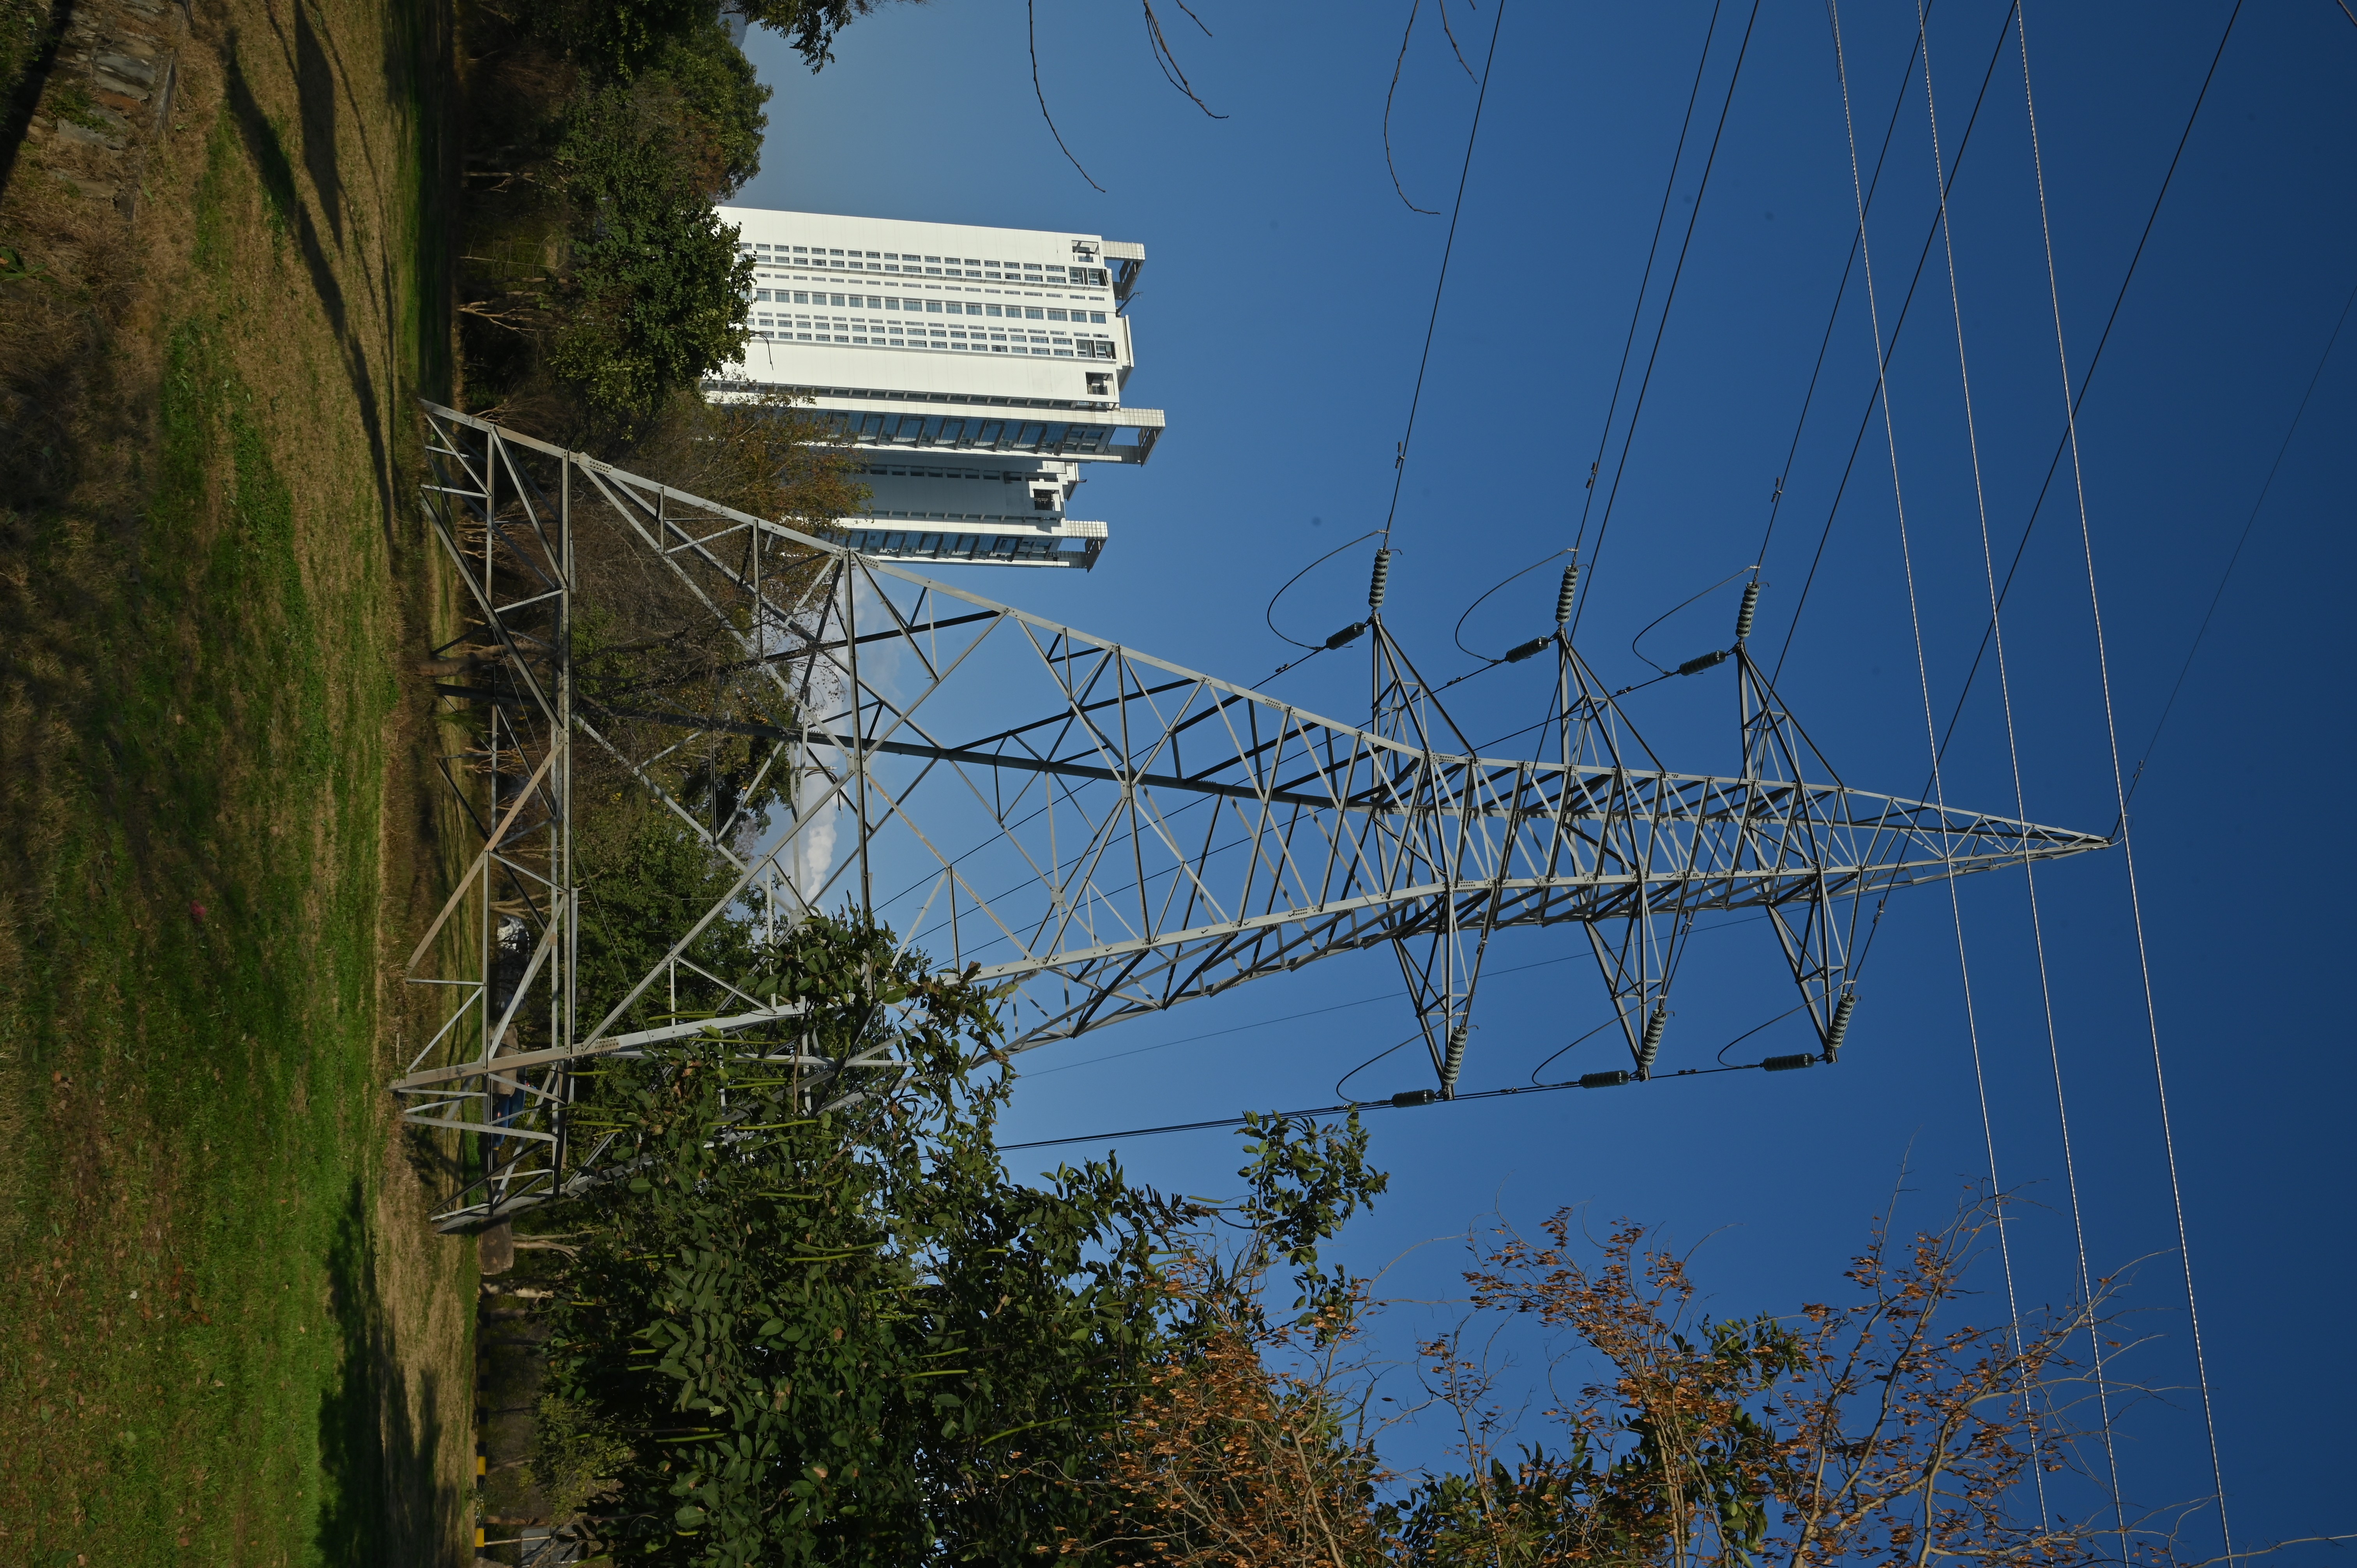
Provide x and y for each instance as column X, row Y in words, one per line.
column 1107, row 832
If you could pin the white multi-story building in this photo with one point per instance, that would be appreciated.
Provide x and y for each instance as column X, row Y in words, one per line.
column 978, row 373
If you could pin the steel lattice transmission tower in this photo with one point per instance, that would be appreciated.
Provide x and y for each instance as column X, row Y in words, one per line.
column 1107, row 832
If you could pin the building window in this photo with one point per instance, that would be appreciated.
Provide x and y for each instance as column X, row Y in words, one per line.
column 1033, row 312
column 934, row 305
column 801, row 299
column 874, row 303
column 1096, row 316
column 1055, row 316
column 990, row 310
column 1100, row 383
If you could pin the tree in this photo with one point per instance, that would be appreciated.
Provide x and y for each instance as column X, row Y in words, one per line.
column 814, row 1321
column 1248, row 1444
column 1876, row 1430
column 594, row 258
column 653, row 295
column 833, row 1329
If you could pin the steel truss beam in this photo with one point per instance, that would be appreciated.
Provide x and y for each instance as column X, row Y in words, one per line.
column 1108, row 832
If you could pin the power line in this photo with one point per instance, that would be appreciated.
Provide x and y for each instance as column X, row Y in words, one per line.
column 1265, row 1023
column 1660, row 328
column 1645, row 279
column 1399, row 1103
column 1955, row 903
column 2087, row 379
column 2231, row 561
column 1213, row 1034
column 2110, row 720
column 1416, row 399
column 1841, row 290
column 1899, row 326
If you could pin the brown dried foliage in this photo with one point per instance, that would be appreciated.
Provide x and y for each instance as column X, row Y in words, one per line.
column 1881, row 1429
column 1225, row 1463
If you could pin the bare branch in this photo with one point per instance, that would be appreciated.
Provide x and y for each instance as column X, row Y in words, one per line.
column 1452, row 40
column 1397, row 66
column 1168, row 61
column 1031, row 26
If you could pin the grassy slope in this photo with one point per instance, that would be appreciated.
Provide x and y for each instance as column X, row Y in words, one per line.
column 228, row 1337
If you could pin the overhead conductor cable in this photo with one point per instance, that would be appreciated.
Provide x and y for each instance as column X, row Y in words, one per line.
column 2112, row 731
column 1980, row 500
column 1399, row 464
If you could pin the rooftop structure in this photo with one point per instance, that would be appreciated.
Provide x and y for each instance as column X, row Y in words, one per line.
column 977, row 370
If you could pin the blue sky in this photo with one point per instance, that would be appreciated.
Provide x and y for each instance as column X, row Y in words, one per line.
column 1280, row 323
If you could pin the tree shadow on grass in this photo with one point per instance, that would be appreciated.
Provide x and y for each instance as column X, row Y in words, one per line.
column 268, row 150
column 315, row 92
column 383, row 1499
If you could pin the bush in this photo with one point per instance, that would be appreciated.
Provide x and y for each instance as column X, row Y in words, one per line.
column 576, row 1455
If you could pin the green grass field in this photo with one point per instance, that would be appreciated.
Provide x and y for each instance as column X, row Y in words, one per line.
column 229, row 1336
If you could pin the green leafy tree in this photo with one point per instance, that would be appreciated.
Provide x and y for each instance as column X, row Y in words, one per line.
column 654, row 292
column 575, row 1454
column 595, row 267
column 646, row 878
column 833, row 1329
column 810, row 26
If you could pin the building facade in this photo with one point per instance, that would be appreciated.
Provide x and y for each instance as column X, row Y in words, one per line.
column 978, row 372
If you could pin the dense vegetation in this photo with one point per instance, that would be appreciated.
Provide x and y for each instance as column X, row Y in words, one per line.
column 814, row 1322
column 815, row 1328
column 596, row 281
